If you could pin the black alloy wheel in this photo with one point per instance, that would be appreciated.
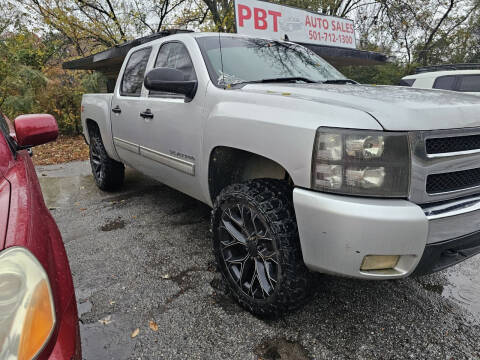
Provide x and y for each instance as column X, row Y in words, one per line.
column 256, row 245
column 248, row 250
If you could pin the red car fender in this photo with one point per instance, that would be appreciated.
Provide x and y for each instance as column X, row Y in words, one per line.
column 36, row 230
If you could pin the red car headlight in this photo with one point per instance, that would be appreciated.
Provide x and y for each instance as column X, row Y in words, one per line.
column 27, row 313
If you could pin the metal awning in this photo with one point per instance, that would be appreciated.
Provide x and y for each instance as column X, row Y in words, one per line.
column 339, row 56
column 110, row 61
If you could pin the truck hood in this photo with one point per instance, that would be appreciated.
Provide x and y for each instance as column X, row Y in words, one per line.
column 396, row 108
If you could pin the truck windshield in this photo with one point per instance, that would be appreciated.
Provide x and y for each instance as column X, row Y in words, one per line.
column 259, row 60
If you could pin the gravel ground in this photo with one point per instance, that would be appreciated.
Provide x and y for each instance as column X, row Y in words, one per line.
column 141, row 259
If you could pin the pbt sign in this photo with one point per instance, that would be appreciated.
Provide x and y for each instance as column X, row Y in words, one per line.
column 260, row 18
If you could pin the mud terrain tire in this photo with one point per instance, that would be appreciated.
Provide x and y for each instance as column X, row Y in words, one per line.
column 256, row 220
column 108, row 173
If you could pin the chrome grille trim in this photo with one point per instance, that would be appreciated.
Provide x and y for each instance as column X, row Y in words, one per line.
column 424, row 164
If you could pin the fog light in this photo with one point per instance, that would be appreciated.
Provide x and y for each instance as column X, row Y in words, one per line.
column 379, row 262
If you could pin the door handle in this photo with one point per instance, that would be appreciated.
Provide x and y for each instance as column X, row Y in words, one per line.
column 147, row 114
column 117, row 110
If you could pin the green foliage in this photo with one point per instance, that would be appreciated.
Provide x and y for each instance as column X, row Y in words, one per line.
column 389, row 74
column 32, row 81
column 94, row 82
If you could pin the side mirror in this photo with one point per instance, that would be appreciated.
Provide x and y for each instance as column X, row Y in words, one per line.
column 170, row 80
column 33, row 130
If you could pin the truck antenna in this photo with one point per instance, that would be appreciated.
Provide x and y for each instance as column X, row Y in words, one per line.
column 221, row 59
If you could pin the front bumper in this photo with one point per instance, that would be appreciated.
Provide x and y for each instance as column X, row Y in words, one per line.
column 337, row 232
column 66, row 343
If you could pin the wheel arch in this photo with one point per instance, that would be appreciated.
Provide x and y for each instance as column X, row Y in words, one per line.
column 91, row 125
column 229, row 165
column 105, row 135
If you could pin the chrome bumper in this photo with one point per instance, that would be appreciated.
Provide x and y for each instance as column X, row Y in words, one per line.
column 337, row 232
column 453, row 219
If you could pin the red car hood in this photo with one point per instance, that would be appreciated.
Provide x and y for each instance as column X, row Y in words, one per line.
column 4, row 209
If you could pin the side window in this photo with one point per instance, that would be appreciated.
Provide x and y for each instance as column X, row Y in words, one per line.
column 406, row 82
column 445, row 82
column 134, row 72
column 469, row 83
column 174, row 55
column 5, row 131
column 3, row 125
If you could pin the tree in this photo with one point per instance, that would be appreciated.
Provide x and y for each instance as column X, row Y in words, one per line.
column 340, row 8
column 418, row 31
column 21, row 59
column 92, row 25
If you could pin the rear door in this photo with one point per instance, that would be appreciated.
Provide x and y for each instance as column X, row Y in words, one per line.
column 127, row 102
column 448, row 82
column 469, row 84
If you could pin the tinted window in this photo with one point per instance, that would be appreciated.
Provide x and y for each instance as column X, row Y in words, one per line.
column 3, row 125
column 445, row 83
column 469, row 83
column 5, row 130
column 134, row 72
column 175, row 55
column 406, row 82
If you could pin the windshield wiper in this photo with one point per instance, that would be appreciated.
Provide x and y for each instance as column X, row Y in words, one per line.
column 339, row 81
column 278, row 80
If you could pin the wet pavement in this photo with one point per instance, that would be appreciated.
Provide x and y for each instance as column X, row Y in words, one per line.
column 141, row 259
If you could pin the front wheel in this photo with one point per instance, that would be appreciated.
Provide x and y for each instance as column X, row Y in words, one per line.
column 108, row 173
column 256, row 245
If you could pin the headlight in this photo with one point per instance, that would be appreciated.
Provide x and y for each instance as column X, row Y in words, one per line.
column 27, row 314
column 361, row 162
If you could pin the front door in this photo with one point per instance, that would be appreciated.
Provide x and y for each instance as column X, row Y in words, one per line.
column 126, row 108
column 174, row 133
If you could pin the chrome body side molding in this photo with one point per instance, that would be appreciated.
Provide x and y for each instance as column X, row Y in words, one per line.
column 182, row 165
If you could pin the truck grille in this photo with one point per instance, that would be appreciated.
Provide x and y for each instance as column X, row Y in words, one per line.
column 453, row 181
column 445, row 164
column 453, row 144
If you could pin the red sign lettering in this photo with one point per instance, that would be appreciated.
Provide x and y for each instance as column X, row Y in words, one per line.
column 261, row 18
column 244, row 13
column 275, row 15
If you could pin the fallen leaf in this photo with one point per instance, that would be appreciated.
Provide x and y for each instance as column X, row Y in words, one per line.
column 165, row 276
column 153, row 325
column 112, row 303
column 83, row 209
column 135, row 333
column 106, row 320
column 65, row 149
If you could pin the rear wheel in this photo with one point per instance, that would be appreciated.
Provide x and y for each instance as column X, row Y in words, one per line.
column 108, row 173
column 256, row 246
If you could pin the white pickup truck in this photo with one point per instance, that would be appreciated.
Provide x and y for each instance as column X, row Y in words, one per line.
column 305, row 169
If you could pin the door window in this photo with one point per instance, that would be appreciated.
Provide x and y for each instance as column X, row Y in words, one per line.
column 134, row 72
column 469, row 83
column 445, row 83
column 3, row 125
column 5, row 131
column 174, row 55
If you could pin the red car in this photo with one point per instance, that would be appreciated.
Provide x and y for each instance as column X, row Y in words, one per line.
column 38, row 311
